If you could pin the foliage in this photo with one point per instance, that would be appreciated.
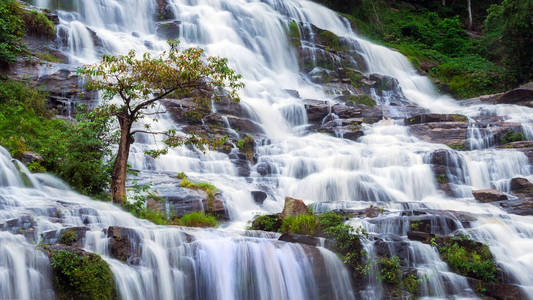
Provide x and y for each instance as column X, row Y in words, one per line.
column 198, row 219
column 434, row 39
column 68, row 237
column 411, row 283
column 468, row 257
column 330, row 219
column 11, row 32
column 142, row 82
column 303, row 224
column 267, row 223
column 512, row 136
column 36, row 23
column 137, row 205
column 75, row 151
column 82, row 277
column 389, row 270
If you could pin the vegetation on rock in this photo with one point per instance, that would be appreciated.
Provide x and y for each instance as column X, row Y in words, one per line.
column 141, row 82
column 197, row 219
column 84, row 277
column 436, row 39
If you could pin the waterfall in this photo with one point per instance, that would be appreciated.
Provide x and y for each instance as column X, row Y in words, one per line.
column 387, row 167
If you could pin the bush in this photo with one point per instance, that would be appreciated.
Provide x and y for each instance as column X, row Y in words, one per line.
column 68, row 237
column 468, row 258
column 267, row 223
column 303, row 224
column 198, row 219
column 82, row 277
column 389, row 270
column 76, row 152
column 11, row 32
column 511, row 136
column 38, row 24
column 330, row 219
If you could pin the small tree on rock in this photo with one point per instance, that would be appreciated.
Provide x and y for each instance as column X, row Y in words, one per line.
column 130, row 86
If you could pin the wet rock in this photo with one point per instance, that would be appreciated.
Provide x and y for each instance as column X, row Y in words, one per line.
column 168, row 29
column 293, row 207
column 24, row 225
column 259, row 196
column 302, row 239
column 184, row 201
column 29, row 157
column 522, row 187
column 522, row 207
column 520, row 96
column 448, row 169
column 435, row 118
column 485, row 196
column 264, row 168
column 316, row 110
column 523, row 146
column 245, row 126
column 124, row 244
column 73, row 236
column 293, row 93
column 496, row 290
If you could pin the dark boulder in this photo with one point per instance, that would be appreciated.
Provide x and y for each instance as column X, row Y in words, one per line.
column 520, row 96
column 124, row 244
column 522, row 187
column 259, row 196
column 486, row 196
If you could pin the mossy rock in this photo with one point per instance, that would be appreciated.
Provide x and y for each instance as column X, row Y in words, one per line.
column 80, row 275
column 294, row 34
column 267, row 223
column 362, row 100
column 467, row 257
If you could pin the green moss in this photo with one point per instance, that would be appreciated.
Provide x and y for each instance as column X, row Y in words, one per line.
column 294, row 34
column 457, row 146
column 267, row 223
column 389, row 270
column 331, row 41
column 68, row 237
column 468, row 258
column 512, row 136
column 48, row 57
column 198, row 219
column 458, row 118
column 362, row 100
column 303, row 224
column 415, row 225
column 84, row 277
column 208, row 188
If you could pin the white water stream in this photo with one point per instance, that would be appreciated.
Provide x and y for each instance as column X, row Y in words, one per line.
column 387, row 167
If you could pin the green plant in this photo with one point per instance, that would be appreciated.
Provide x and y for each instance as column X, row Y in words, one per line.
column 411, row 283
column 181, row 175
column 11, row 32
column 330, row 219
column 389, row 269
column 82, row 276
column 266, row 223
column 303, row 224
column 198, row 219
column 468, row 258
column 512, row 136
column 442, row 179
column 36, row 23
column 36, row 167
column 68, row 237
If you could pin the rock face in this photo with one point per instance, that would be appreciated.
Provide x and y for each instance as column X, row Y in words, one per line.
column 520, row 96
column 185, row 201
column 522, row 187
column 293, row 207
column 486, row 196
column 523, row 146
column 445, row 129
column 259, row 196
column 124, row 244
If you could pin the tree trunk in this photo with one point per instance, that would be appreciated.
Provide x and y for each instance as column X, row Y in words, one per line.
column 120, row 168
column 443, row 2
column 469, row 4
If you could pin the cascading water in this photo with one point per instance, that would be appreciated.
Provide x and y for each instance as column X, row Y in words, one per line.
column 386, row 167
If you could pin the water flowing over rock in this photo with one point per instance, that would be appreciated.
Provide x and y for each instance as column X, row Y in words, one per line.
column 330, row 118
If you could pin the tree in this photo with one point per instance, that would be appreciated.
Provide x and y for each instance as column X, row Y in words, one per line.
column 469, row 9
column 138, row 83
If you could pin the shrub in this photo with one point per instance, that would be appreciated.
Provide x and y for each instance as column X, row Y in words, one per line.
column 11, row 32
column 267, row 223
column 198, row 219
column 468, row 258
column 38, row 24
column 389, row 270
column 362, row 99
column 411, row 283
column 82, row 277
column 512, row 136
column 68, row 237
column 303, row 224
column 330, row 219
